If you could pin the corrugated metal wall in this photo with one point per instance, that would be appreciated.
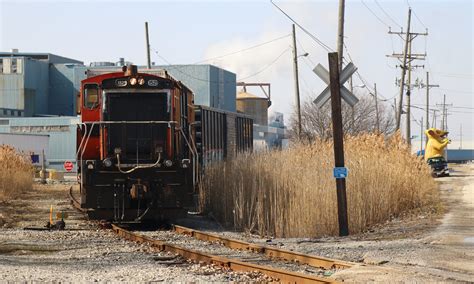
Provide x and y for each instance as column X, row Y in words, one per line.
column 61, row 130
column 36, row 79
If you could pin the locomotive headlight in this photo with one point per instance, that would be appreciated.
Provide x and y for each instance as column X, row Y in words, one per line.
column 168, row 163
column 133, row 81
column 141, row 81
column 185, row 163
column 107, row 162
column 90, row 165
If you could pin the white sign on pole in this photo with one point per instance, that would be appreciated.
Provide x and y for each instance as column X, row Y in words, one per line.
column 346, row 73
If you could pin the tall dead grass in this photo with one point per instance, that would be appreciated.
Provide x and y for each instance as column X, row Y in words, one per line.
column 16, row 173
column 292, row 193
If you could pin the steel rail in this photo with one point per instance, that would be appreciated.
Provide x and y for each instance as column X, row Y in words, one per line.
column 76, row 204
column 315, row 261
column 235, row 265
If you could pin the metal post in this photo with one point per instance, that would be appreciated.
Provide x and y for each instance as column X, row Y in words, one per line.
column 404, row 67
column 427, row 100
column 338, row 140
column 147, row 46
column 377, row 123
column 421, row 135
column 444, row 113
column 43, row 168
column 297, row 86
column 408, row 117
column 340, row 33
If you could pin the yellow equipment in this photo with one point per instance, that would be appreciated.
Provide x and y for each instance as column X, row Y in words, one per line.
column 434, row 152
column 437, row 141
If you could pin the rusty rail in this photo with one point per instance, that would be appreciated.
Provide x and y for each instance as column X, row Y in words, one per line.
column 315, row 261
column 236, row 265
column 76, row 204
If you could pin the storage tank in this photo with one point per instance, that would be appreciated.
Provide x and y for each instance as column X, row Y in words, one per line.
column 254, row 106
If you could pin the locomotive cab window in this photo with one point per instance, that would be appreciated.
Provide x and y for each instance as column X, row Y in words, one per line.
column 91, row 96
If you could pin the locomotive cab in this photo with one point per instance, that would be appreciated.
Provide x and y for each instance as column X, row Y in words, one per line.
column 135, row 152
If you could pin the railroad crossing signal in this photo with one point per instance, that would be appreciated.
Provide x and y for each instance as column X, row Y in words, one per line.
column 346, row 73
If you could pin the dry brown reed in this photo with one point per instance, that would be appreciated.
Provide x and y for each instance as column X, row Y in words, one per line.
column 292, row 193
column 16, row 173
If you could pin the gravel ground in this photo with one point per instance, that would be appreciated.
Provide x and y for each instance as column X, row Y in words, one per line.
column 83, row 253
column 414, row 248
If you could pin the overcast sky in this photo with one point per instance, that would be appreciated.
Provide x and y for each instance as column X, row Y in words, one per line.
column 193, row 31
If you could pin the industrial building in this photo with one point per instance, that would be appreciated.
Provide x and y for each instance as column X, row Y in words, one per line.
column 37, row 84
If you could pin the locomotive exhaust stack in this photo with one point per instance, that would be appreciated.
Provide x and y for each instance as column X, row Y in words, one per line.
column 130, row 70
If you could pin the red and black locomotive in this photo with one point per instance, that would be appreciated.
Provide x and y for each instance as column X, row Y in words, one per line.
column 141, row 144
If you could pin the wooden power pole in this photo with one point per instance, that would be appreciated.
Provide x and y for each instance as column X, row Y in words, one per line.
column 377, row 122
column 340, row 33
column 428, row 86
column 297, row 85
column 338, row 139
column 406, row 58
column 148, row 59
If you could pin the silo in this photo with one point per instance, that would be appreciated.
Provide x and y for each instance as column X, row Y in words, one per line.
column 256, row 107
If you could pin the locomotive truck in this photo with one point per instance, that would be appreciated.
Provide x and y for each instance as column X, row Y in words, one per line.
column 142, row 145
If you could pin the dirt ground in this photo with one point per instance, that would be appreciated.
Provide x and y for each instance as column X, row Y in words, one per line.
column 433, row 252
column 415, row 248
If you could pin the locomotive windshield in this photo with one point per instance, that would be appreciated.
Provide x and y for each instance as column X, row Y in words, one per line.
column 141, row 140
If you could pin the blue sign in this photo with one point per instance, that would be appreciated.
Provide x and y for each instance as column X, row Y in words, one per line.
column 340, row 172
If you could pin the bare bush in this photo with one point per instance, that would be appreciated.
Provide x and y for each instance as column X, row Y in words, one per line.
column 292, row 193
column 16, row 173
column 316, row 122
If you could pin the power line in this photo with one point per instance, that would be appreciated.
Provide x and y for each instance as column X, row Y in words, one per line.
column 391, row 19
column 317, row 40
column 375, row 15
column 266, row 67
column 245, row 49
column 174, row 67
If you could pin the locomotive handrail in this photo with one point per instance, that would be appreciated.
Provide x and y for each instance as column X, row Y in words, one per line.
column 137, row 166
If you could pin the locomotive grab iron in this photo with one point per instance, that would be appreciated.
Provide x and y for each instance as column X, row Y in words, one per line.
column 142, row 144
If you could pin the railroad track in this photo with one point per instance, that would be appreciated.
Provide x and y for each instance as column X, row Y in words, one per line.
column 76, row 204
column 281, row 275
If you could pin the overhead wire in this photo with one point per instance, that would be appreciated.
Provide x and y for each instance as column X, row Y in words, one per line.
column 317, row 40
column 174, row 67
column 375, row 15
column 266, row 67
column 245, row 49
column 388, row 16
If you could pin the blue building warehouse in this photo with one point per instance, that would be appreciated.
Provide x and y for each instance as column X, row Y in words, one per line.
column 35, row 84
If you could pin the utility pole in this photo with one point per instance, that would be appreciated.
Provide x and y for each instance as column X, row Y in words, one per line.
column 434, row 118
column 340, row 33
column 395, row 108
column 460, row 137
column 297, row 85
column 428, row 86
column 338, row 141
column 444, row 112
column 402, row 82
column 408, row 117
column 377, row 123
column 148, row 61
column 405, row 57
column 421, row 135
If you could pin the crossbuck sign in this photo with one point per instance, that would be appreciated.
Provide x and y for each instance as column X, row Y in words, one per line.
column 345, row 93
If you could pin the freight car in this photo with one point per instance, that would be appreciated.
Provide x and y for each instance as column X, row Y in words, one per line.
column 142, row 145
